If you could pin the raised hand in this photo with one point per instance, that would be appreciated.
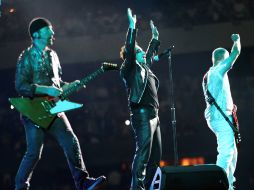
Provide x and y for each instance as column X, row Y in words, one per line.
column 154, row 30
column 235, row 37
column 132, row 19
column 237, row 44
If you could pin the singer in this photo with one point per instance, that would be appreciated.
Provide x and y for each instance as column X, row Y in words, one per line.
column 142, row 86
column 38, row 73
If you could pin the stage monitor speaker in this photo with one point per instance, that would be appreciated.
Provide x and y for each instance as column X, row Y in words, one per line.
column 197, row 177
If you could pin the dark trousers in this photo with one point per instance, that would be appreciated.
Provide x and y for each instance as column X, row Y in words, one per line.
column 62, row 131
column 146, row 126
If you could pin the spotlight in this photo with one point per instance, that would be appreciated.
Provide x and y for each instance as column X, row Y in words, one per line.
column 127, row 122
column 12, row 10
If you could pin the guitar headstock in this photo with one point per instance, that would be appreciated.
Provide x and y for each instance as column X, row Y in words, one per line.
column 109, row 66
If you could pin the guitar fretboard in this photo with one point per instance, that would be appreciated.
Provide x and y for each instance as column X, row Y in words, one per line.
column 83, row 82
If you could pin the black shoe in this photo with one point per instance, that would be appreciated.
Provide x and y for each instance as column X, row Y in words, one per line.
column 90, row 183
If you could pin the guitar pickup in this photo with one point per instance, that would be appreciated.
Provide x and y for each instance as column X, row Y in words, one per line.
column 47, row 105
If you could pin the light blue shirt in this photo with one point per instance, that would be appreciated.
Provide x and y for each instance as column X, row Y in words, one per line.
column 219, row 87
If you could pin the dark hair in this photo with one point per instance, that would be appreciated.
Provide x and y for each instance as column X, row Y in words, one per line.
column 123, row 53
column 37, row 23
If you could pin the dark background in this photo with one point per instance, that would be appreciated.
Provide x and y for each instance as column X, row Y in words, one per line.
column 107, row 143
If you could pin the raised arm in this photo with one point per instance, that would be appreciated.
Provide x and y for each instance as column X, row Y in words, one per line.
column 153, row 45
column 155, row 33
column 132, row 19
column 236, row 49
column 129, row 47
column 131, row 35
column 228, row 63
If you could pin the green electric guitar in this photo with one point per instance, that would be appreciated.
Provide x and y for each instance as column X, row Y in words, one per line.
column 43, row 110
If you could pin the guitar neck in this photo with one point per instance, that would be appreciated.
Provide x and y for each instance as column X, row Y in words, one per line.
column 83, row 82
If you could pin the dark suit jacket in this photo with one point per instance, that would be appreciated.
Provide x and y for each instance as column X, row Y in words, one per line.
column 135, row 75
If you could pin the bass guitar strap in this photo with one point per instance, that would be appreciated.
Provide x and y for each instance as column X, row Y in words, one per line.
column 235, row 125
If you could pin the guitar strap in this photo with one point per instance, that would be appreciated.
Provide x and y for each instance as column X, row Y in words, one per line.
column 210, row 99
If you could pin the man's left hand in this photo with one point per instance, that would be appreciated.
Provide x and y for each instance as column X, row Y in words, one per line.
column 71, row 85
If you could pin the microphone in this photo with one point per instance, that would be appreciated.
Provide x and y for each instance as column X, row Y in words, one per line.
column 164, row 53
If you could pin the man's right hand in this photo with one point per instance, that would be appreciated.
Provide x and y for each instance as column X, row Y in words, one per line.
column 53, row 91
column 48, row 90
column 132, row 19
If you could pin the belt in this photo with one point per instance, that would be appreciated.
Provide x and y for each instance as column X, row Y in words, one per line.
column 145, row 110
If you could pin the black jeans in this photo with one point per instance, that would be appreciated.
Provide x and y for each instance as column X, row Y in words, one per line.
column 62, row 131
column 146, row 125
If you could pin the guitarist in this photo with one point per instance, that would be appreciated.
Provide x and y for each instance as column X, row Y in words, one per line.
column 217, row 83
column 38, row 73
